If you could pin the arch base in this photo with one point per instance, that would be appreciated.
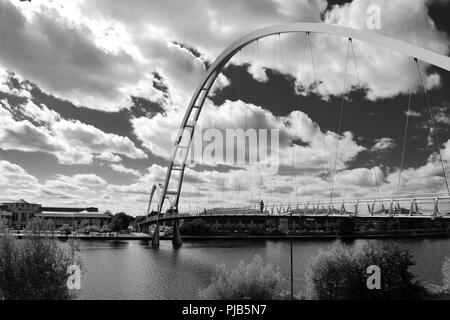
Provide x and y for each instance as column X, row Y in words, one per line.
column 177, row 242
column 155, row 238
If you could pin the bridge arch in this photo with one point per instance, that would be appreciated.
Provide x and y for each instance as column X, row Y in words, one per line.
column 187, row 127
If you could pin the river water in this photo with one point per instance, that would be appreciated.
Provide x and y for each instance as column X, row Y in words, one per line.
column 133, row 270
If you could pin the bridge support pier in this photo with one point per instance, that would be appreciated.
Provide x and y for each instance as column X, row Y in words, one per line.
column 155, row 238
column 176, row 236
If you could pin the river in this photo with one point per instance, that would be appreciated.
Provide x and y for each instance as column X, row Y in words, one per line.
column 118, row 269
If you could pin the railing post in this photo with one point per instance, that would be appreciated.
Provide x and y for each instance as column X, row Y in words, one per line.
column 372, row 207
column 391, row 207
column 411, row 207
column 342, row 208
column 436, row 207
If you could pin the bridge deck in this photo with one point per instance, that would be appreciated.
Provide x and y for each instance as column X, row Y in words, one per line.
column 183, row 216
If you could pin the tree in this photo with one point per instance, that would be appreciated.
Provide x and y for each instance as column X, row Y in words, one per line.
column 36, row 266
column 341, row 274
column 254, row 281
column 120, row 221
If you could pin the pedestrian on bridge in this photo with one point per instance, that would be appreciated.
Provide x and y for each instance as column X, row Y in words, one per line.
column 261, row 206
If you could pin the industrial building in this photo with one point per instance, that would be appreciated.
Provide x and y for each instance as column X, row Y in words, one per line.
column 18, row 214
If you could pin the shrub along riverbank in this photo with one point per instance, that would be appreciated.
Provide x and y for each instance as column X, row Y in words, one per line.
column 335, row 274
column 35, row 267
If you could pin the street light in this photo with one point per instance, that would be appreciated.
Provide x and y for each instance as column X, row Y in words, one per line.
column 292, row 263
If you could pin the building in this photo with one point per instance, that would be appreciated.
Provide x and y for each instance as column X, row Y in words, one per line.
column 18, row 214
column 6, row 216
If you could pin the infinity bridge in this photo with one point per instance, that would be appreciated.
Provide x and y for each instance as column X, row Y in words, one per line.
column 400, row 207
column 417, row 206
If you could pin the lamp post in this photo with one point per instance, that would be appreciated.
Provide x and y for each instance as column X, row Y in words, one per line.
column 292, row 263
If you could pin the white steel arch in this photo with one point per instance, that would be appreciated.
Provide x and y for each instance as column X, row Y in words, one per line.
column 186, row 131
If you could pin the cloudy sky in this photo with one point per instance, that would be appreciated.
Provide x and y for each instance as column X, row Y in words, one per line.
column 92, row 91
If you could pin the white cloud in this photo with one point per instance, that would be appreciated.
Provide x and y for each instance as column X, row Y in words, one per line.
column 412, row 113
column 13, row 175
column 72, row 142
column 83, row 180
column 99, row 53
column 157, row 134
column 108, row 157
column 384, row 73
column 383, row 144
column 121, row 168
column 6, row 87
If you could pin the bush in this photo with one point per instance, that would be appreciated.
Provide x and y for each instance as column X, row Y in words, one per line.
column 65, row 229
column 254, row 281
column 105, row 229
column 36, row 266
column 91, row 229
column 341, row 274
column 438, row 291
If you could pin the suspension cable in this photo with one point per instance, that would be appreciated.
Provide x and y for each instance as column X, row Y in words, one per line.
column 433, row 124
column 365, row 117
column 229, row 126
column 341, row 113
column 296, row 127
column 290, row 133
column 251, row 178
column 265, row 118
column 405, row 140
column 308, row 36
column 236, row 192
column 270, row 157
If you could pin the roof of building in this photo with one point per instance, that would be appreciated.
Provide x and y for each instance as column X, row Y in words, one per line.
column 83, row 214
column 66, row 209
